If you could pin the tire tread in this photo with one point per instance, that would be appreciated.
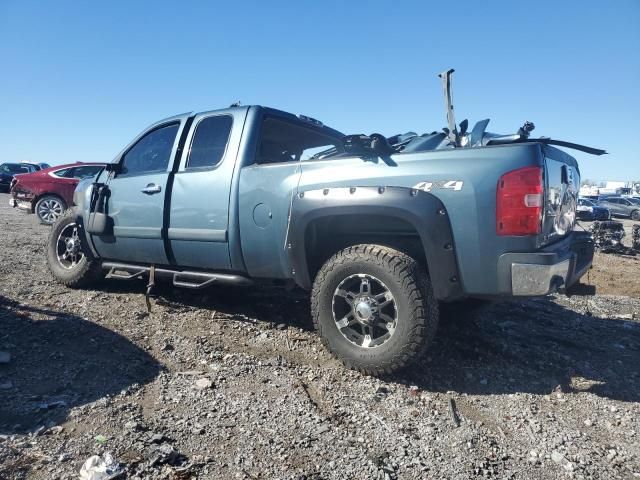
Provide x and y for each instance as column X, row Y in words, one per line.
column 415, row 283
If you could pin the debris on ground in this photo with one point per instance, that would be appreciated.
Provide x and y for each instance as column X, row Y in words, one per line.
column 607, row 236
column 102, row 467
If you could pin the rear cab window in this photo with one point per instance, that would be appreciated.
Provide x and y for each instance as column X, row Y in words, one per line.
column 288, row 141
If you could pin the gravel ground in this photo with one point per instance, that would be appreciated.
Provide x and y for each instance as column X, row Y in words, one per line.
column 234, row 384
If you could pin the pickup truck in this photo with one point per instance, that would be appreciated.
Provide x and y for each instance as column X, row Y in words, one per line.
column 379, row 230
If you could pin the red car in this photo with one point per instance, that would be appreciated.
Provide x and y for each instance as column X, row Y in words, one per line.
column 49, row 192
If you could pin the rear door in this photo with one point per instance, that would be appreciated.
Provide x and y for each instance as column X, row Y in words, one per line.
column 198, row 230
column 137, row 196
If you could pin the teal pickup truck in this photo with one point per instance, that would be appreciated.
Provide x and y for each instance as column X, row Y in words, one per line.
column 380, row 230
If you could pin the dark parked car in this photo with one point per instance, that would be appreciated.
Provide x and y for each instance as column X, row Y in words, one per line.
column 588, row 210
column 622, row 207
column 49, row 192
column 40, row 165
column 9, row 170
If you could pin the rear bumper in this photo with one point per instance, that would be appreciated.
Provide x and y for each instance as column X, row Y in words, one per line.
column 551, row 269
column 22, row 204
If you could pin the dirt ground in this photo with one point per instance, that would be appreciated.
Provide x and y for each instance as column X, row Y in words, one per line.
column 227, row 384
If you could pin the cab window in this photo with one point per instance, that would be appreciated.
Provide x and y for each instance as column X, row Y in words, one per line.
column 209, row 141
column 152, row 152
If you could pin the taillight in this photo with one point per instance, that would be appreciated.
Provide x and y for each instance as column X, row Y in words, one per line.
column 519, row 199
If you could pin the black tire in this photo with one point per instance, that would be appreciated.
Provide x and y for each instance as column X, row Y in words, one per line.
column 49, row 208
column 635, row 215
column 416, row 308
column 86, row 270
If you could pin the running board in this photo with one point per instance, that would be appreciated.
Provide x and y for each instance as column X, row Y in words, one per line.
column 180, row 278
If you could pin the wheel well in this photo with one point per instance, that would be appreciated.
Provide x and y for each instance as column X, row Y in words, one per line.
column 328, row 235
column 37, row 199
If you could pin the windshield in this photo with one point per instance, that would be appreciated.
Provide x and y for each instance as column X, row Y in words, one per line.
column 585, row 203
column 635, row 201
column 13, row 168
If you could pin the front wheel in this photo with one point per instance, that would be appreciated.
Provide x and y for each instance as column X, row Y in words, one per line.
column 635, row 215
column 69, row 259
column 374, row 308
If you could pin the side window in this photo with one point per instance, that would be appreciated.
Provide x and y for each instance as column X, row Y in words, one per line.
column 152, row 152
column 61, row 173
column 86, row 171
column 209, row 141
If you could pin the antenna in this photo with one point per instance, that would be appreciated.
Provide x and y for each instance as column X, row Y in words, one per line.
column 452, row 132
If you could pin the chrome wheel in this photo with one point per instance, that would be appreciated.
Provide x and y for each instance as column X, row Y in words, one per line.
column 49, row 210
column 68, row 247
column 364, row 310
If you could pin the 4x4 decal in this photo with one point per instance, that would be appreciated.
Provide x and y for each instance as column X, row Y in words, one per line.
column 439, row 185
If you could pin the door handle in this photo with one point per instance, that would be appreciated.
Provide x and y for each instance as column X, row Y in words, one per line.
column 151, row 188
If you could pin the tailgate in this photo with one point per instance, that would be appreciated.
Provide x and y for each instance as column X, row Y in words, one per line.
column 562, row 184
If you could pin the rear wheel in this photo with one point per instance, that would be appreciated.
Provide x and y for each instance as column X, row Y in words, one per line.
column 374, row 308
column 68, row 257
column 49, row 209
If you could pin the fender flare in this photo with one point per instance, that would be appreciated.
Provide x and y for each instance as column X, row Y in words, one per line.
column 424, row 211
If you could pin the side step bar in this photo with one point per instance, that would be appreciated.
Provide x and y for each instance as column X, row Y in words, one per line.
column 180, row 278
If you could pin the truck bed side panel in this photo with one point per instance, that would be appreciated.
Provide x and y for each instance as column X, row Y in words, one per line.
column 471, row 208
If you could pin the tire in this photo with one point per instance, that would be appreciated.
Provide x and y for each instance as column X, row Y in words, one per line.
column 635, row 215
column 78, row 270
column 414, row 308
column 49, row 208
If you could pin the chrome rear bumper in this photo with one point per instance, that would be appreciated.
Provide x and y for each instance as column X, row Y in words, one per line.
column 554, row 268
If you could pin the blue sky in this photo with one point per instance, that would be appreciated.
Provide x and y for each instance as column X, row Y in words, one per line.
column 78, row 80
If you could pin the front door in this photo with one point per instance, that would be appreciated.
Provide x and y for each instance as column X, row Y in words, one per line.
column 137, row 197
